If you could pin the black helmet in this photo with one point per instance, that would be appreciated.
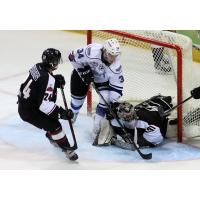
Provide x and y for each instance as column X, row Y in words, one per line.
column 52, row 57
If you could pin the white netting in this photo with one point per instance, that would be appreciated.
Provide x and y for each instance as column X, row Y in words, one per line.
column 151, row 69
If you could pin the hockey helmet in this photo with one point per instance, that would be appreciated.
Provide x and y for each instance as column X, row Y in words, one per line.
column 112, row 47
column 126, row 111
column 52, row 57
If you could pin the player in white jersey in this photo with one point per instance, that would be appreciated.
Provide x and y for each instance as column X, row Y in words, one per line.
column 99, row 64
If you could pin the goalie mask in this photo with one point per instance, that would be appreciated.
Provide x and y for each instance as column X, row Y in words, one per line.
column 126, row 111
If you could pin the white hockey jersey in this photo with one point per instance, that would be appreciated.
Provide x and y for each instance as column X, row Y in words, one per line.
column 152, row 133
column 91, row 55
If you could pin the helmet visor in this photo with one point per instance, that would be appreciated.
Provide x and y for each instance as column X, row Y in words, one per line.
column 57, row 61
column 109, row 57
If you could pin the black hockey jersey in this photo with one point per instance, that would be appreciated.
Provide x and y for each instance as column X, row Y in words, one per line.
column 151, row 111
column 39, row 91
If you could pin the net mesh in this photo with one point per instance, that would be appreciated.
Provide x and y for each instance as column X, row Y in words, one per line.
column 152, row 69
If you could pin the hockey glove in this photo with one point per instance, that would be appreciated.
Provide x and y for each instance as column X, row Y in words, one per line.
column 109, row 115
column 113, row 106
column 66, row 115
column 196, row 93
column 86, row 74
column 59, row 80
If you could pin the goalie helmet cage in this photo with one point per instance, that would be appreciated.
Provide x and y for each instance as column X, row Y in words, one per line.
column 154, row 62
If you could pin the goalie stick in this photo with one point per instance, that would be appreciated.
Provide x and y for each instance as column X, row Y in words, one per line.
column 144, row 156
column 173, row 108
column 74, row 147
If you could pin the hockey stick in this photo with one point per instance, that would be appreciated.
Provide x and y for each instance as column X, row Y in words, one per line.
column 173, row 108
column 123, row 145
column 74, row 147
column 144, row 156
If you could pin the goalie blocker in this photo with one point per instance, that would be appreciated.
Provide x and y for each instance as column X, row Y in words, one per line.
column 145, row 123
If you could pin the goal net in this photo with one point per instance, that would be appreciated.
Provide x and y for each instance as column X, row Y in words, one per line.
column 156, row 62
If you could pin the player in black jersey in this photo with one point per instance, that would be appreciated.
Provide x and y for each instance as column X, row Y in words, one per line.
column 37, row 97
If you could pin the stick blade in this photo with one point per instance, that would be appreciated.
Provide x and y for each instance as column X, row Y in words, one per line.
column 146, row 156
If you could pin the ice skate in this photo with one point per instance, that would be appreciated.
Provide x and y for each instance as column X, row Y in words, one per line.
column 70, row 154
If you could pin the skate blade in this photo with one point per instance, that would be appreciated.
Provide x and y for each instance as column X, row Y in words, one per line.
column 72, row 158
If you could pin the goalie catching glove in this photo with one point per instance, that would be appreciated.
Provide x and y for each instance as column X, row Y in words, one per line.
column 196, row 93
column 86, row 74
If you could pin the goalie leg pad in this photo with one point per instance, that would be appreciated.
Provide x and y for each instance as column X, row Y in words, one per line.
column 104, row 138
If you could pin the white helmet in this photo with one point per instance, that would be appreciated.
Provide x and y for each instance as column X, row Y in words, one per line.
column 112, row 47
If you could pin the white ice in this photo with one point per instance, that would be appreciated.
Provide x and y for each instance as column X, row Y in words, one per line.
column 23, row 146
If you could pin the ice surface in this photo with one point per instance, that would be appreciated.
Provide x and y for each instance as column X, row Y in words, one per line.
column 27, row 148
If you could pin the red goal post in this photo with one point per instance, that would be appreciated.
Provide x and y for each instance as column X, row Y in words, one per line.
column 123, row 37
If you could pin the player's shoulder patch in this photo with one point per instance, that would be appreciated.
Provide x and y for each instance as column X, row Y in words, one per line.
column 34, row 72
column 88, row 51
column 93, row 51
column 119, row 69
column 116, row 69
